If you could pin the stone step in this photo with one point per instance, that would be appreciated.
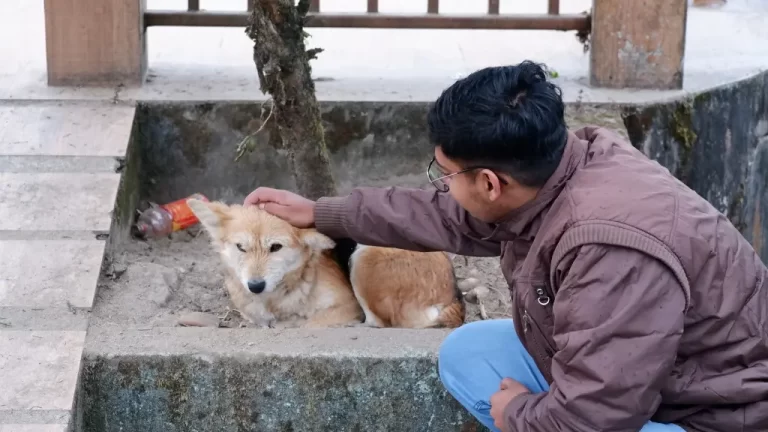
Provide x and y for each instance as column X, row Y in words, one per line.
column 59, row 179
column 49, row 274
column 65, row 129
column 57, row 201
column 39, row 372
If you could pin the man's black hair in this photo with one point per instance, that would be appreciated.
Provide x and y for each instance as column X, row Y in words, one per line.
column 508, row 118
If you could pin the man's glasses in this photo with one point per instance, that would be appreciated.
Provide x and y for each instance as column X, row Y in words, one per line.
column 441, row 181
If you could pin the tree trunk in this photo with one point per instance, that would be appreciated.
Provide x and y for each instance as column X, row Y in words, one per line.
column 282, row 61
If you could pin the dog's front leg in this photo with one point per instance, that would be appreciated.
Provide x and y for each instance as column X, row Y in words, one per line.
column 253, row 310
column 257, row 313
column 342, row 315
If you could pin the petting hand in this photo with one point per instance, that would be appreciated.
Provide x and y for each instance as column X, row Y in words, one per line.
column 508, row 390
column 294, row 209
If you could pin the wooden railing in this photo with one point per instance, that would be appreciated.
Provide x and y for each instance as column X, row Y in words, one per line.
column 552, row 20
column 637, row 44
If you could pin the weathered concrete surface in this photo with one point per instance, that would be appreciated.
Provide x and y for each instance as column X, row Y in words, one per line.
column 191, row 147
column 39, row 369
column 717, row 143
column 188, row 148
column 55, row 129
column 54, row 274
column 33, row 428
column 196, row 64
column 57, row 201
column 58, row 183
column 173, row 380
column 197, row 379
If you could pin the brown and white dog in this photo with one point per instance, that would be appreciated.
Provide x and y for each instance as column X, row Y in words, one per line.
column 277, row 273
column 399, row 288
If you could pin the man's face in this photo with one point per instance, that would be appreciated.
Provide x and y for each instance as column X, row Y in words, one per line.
column 485, row 194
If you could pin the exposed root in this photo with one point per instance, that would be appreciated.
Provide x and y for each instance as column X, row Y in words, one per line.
column 248, row 144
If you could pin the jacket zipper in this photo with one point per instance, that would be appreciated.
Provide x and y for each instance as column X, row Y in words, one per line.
column 540, row 338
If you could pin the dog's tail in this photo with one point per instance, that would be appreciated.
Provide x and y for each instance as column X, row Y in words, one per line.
column 452, row 315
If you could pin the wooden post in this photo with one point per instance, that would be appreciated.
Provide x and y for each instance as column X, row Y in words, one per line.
column 95, row 42
column 638, row 43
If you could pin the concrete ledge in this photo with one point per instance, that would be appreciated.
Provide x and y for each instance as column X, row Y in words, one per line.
column 290, row 380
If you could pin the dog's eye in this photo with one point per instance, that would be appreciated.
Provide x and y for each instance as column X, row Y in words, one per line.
column 275, row 247
column 240, row 247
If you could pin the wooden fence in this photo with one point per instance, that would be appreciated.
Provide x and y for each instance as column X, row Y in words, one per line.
column 638, row 44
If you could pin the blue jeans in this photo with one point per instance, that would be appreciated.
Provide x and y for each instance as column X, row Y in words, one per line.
column 475, row 358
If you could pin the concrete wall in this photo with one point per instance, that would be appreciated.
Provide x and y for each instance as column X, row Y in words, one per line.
column 201, row 380
column 188, row 148
column 717, row 143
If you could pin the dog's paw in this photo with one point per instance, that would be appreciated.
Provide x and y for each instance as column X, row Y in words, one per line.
column 258, row 315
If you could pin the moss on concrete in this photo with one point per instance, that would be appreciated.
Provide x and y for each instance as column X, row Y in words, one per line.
column 235, row 394
column 681, row 129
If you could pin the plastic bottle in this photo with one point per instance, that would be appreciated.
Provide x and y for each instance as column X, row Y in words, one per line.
column 161, row 220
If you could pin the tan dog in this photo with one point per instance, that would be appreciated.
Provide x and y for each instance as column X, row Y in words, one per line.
column 399, row 288
column 275, row 272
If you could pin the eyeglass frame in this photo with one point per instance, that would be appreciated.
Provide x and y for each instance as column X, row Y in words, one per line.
column 447, row 187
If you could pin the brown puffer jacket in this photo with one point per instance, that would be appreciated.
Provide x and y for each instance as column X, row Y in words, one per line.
column 636, row 298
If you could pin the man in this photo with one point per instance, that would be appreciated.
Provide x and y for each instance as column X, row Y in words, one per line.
column 637, row 306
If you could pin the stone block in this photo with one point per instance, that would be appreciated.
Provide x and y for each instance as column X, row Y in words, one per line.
column 49, row 273
column 284, row 380
column 39, row 369
column 65, row 130
column 33, row 428
column 57, row 201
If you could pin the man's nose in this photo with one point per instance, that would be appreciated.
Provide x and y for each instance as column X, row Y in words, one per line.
column 257, row 286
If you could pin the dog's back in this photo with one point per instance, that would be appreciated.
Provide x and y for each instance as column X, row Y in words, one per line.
column 399, row 288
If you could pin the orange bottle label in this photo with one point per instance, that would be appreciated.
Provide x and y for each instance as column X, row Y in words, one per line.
column 183, row 217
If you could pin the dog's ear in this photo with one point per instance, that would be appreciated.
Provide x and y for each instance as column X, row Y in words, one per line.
column 212, row 215
column 316, row 241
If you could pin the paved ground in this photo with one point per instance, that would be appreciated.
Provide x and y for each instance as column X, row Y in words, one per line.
column 58, row 146
column 215, row 63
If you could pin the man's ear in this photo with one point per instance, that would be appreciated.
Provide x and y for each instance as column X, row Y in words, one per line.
column 491, row 184
column 316, row 241
column 212, row 215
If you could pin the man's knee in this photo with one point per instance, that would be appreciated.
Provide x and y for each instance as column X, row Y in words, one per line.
column 468, row 338
column 450, row 350
column 449, row 358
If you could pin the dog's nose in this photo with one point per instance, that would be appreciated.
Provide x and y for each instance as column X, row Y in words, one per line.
column 257, row 286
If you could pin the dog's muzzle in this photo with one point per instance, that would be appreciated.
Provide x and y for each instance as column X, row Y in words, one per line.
column 257, row 286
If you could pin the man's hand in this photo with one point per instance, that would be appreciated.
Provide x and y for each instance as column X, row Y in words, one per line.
column 508, row 390
column 294, row 209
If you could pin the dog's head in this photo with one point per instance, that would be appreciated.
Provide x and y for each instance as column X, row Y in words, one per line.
column 258, row 248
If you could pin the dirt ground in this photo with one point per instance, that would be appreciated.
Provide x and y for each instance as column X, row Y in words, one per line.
column 158, row 282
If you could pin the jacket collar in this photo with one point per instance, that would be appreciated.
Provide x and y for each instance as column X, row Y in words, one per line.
column 522, row 222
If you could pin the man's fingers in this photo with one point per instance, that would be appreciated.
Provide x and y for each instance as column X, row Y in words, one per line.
column 274, row 209
column 264, row 195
